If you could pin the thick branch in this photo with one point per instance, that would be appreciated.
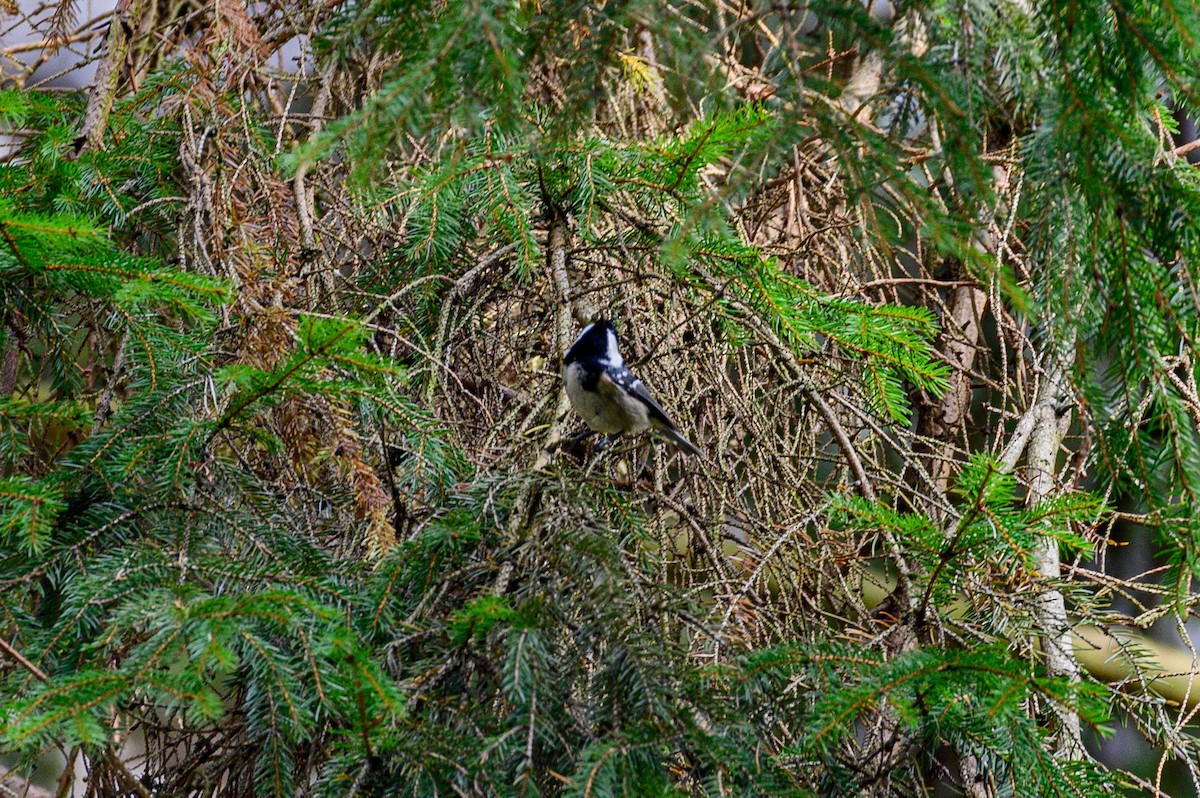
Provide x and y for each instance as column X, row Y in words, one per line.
column 556, row 257
column 1044, row 441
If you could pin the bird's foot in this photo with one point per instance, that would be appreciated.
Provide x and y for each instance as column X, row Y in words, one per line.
column 600, row 446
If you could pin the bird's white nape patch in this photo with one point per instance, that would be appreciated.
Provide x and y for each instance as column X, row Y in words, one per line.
column 611, row 353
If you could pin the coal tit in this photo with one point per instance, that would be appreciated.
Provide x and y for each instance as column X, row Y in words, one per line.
column 607, row 395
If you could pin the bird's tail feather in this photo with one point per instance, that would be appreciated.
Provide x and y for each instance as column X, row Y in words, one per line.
column 675, row 437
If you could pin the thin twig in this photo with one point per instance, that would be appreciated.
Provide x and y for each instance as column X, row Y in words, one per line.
column 19, row 658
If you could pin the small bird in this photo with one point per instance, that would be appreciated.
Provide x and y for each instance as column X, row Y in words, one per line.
column 607, row 395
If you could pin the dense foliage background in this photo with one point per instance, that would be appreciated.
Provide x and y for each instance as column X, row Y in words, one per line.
column 290, row 499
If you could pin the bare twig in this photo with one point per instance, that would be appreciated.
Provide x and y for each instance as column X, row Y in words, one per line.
column 19, row 658
column 14, row 785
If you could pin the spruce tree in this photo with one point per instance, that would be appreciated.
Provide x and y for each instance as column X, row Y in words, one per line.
column 292, row 500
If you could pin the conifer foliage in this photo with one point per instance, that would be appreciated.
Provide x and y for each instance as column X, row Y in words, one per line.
column 291, row 502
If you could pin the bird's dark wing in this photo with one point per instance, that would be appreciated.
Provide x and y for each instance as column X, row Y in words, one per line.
column 659, row 420
column 637, row 389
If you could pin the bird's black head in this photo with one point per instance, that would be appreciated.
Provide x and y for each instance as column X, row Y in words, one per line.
column 598, row 341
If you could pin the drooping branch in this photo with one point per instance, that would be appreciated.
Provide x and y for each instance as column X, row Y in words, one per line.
column 108, row 74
